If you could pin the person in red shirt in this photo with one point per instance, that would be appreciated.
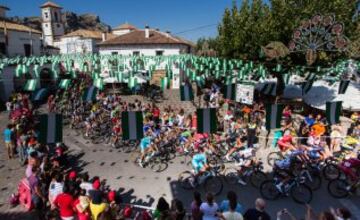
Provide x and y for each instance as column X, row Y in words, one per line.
column 81, row 205
column 156, row 114
column 286, row 142
column 64, row 202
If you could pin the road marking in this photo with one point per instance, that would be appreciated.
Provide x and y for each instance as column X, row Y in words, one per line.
column 355, row 210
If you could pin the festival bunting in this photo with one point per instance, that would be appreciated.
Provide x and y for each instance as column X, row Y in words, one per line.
column 333, row 110
column 132, row 125
column 186, row 93
column 50, row 128
column 206, row 120
column 273, row 115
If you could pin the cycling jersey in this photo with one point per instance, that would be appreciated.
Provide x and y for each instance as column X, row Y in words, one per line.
column 145, row 143
column 198, row 161
column 284, row 142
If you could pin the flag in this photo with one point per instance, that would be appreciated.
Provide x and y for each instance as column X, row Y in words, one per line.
column 40, row 94
column 165, row 83
column 229, row 91
column 273, row 115
column 30, row 85
column 132, row 82
column 99, row 83
column 90, row 94
column 268, row 88
column 343, row 86
column 186, row 93
column 206, row 120
column 64, row 83
column 120, row 77
column 132, row 125
column 50, row 128
column 333, row 110
column 306, row 86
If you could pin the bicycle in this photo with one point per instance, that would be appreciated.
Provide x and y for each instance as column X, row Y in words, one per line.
column 342, row 188
column 153, row 161
column 296, row 187
column 210, row 179
column 252, row 173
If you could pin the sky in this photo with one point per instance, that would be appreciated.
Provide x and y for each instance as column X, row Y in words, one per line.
column 182, row 17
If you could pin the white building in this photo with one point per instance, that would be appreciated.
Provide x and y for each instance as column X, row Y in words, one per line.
column 17, row 39
column 81, row 41
column 52, row 24
column 147, row 42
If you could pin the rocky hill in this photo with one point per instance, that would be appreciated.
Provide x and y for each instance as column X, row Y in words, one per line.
column 72, row 22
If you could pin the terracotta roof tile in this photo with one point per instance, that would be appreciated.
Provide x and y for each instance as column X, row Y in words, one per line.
column 50, row 4
column 125, row 26
column 89, row 34
column 17, row 27
column 138, row 37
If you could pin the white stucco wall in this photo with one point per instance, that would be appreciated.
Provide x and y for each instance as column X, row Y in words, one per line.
column 69, row 45
column 17, row 39
column 146, row 50
column 51, row 28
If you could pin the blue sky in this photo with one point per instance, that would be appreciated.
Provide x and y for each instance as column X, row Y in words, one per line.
column 174, row 15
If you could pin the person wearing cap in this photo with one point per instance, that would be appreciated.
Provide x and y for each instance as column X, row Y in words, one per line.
column 64, row 202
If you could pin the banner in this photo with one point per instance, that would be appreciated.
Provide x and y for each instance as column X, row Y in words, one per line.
column 245, row 93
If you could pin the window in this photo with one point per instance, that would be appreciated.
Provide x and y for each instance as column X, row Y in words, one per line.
column 114, row 53
column 46, row 25
column 46, row 15
column 58, row 25
column 56, row 16
column 159, row 52
column 136, row 53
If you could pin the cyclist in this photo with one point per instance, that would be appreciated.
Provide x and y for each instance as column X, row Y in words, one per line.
column 116, row 131
column 286, row 142
column 351, row 169
column 199, row 162
column 146, row 146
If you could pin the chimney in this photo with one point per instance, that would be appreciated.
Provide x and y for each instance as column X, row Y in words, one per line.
column 3, row 10
column 104, row 36
column 147, row 32
column 167, row 33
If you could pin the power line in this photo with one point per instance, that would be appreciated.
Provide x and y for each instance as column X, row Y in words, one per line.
column 195, row 29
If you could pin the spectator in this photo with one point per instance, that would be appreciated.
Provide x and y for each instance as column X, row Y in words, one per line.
column 81, row 206
column 209, row 208
column 56, row 187
column 258, row 212
column 341, row 213
column 97, row 205
column 8, row 133
column 284, row 212
column 64, row 202
column 177, row 210
column 231, row 201
column 162, row 209
column 85, row 184
column 195, row 207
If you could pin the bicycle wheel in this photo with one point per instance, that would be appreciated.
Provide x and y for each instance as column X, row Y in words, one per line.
column 231, row 175
column 184, row 180
column 214, row 185
column 257, row 178
column 337, row 188
column 268, row 190
column 301, row 194
column 274, row 156
column 135, row 156
column 158, row 165
column 314, row 181
column 331, row 172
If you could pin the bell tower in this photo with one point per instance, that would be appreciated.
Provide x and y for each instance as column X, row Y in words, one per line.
column 52, row 24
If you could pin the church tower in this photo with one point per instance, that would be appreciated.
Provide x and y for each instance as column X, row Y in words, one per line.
column 52, row 24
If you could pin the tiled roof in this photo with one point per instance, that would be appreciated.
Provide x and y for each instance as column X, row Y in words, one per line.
column 125, row 26
column 88, row 34
column 17, row 27
column 50, row 4
column 138, row 37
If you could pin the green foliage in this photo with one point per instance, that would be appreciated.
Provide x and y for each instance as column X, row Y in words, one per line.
column 243, row 30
